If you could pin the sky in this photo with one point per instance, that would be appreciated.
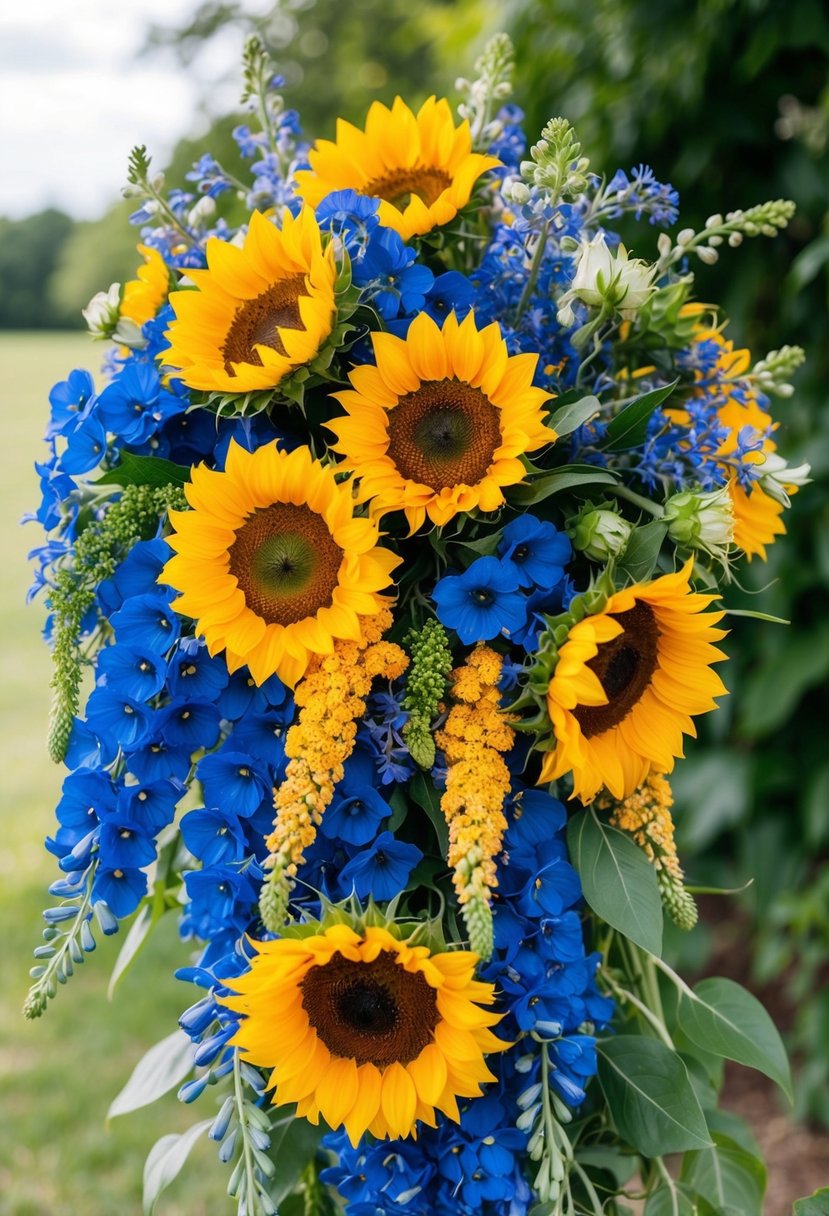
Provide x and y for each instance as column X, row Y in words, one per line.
column 75, row 97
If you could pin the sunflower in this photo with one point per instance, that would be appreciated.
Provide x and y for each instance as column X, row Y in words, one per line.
column 366, row 1030
column 439, row 424
column 421, row 166
column 272, row 563
column 627, row 681
column 259, row 311
column 144, row 295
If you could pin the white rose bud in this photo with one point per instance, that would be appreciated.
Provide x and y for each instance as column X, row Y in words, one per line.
column 702, row 521
column 600, row 533
column 603, row 278
column 101, row 313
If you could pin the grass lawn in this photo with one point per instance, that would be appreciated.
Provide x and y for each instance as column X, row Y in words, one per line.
column 59, row 1074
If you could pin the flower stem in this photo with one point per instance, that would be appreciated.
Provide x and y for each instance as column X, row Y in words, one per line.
column 638, row 500
column 535, row 270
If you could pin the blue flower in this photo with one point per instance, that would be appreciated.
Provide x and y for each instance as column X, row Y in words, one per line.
column 394, row 282
column 193, row 673
column 136, row 575
column 383, row 870
column 131, row 672
column 213, row 836
column 117, row 718
column 135, row 405
column 147, row 621
column 356, row 809
column 158, row 760
column 537, row 550
column 124, row 845
column 262, row 736
column 150, row 804
column 233, row 781
column 88, row 796
column 481, row 603
column 121, row 890
column 86, row 444
column 222, row 903
column 189, row 723
column 243, row 695
column 450, row 292
column 68, row 400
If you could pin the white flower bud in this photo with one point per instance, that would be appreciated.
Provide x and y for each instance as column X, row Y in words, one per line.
column 713, row 221
column 702, row 521
column 202, row 212
column 664, row 244
column 708, row 256
column 600, row 533
column 735, row 239
column 516, row 192
column 101, row 313
column 623, row 283
column 715, row 240
column 778, row 477
column 685, row 236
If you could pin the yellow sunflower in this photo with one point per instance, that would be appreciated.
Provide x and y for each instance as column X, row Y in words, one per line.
column 259, row 311
column 365, row 1030
column 421, row 166
column 272, row 563
column 438, row 426
column 627, row 682
column 144, row 295
column 757, row 516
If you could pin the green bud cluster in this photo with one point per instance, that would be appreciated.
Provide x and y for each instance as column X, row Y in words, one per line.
column 773, row 373
column 431, row 663
column 677, row 901
column 98, row 550
column 557, row 166
column 486, row 94
column 477, row 916
column 273, row 899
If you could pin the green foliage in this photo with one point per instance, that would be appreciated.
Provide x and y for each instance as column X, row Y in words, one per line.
column 618, row 881
column 650, row 1097
column 30, row 250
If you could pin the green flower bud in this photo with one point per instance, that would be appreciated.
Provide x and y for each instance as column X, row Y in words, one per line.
column 703, row 521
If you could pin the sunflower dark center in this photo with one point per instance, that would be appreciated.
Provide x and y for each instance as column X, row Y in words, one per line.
column 376, row 1012
column 624, row 667
column 286, row 562
column 444, row 434
column 400, row 185
column 257, row 322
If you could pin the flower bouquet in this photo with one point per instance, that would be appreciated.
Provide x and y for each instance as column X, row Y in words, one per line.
column 396, row 540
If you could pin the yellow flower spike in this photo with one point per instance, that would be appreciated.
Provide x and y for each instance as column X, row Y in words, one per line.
column 258, row 312
column 438, row 426
column 331, row 700
column 421, row 166
column 272, row 563
column 646, row 816
column 477, row 783
column 649, row 652
column 362, row 1040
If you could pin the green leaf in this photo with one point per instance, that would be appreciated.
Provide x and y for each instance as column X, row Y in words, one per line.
column 816, row 1204
column 144, row 471
column 639, row 559
column 294, row 1143
column 675, row 1200
column 572, row 477
column 630, row 426
column 573, row 414
column 725, row 1019
column 139, row 932
column 618, row 881
column 727, row 1176
column 164, row 1066
column 652, row 1102
column 427, row 798
column 165, row 1160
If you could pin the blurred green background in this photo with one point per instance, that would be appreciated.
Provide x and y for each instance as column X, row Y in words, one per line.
column 728, row 100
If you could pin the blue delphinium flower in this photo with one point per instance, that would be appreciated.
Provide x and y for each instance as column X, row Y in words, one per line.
column 135, row 404
column 537, row 550
column 68, row 400
column 481, row 603
column 356, row 809
column 392, row 278
column 383, row 870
